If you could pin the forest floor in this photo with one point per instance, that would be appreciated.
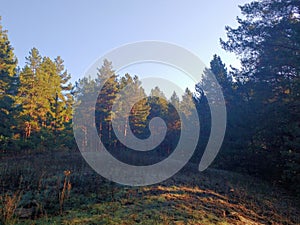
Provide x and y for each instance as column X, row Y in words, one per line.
column 60, row 188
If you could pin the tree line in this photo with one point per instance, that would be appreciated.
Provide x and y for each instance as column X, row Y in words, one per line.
column 262, row 99
column 121, row 94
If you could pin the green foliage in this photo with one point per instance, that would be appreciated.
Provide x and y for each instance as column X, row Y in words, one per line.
column 124, row 100
column 45, row 95
column 106, row 97
column 267, row 87
column 132, row 100
column 267, row 39
column 262, row 99
column 8, row 88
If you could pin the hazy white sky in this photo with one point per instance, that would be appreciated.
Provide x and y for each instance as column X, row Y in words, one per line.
column 82, row 31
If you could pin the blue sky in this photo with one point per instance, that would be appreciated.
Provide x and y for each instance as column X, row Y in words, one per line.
column 82, row 31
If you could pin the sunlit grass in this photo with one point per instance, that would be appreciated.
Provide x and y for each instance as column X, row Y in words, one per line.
column 213, row 197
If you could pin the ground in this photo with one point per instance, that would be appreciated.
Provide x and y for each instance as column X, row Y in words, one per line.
column 60, row 188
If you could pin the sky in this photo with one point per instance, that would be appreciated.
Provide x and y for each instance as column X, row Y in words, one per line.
column 82, row 31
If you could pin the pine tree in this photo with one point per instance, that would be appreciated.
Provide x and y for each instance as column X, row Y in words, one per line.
column 45, row 95
column 107, row 95
column 62, row 100
column 173, row 122
column 187, row 104
column 267, row 41
column 8, row 88
column 84, row 93
column 132, row 98
column 28, row 94
column 158, row 103
column 173, row 118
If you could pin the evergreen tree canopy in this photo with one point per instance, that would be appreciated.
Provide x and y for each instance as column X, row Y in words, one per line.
column 8, row 87
column 267, row 41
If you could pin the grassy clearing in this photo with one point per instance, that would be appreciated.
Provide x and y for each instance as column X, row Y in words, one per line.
column 42, row 191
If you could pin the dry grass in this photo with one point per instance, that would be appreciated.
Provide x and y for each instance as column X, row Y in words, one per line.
column 8, row 205
column 190, row 197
